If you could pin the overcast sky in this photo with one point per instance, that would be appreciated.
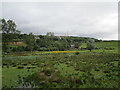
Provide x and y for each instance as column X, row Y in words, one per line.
column 89, row 19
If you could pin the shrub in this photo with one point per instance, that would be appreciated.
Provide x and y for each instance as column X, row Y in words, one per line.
column 7, row 66
column 20, row 67
column 14, row 65
column 48, row 71
column 32, row 67
column 77, row 53
column 43, row 49
column 20, row 48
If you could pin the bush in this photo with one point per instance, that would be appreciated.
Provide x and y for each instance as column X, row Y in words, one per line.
column 20, row 67
column 43, row 49
column 20, row 48
column 31, row 67
column 14, row 49
column 14, row 65
column 48, row 71
column 77, row 53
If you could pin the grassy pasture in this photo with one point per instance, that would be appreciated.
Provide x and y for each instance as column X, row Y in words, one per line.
column 95, row 66
column 106, row 44
column 63, row 69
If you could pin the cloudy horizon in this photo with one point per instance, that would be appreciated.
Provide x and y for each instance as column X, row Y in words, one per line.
column 89, row 19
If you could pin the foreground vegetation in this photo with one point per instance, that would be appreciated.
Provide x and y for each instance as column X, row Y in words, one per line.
column 68, row 70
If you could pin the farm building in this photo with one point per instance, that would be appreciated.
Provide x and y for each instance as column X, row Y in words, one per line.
column 74, row 46
column 37, row 37
column 16, row 43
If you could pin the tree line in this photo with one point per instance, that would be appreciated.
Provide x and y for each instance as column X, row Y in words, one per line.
column 48, row 42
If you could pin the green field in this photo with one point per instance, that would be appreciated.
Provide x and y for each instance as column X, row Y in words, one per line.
column 63, row 69
column 104, row 46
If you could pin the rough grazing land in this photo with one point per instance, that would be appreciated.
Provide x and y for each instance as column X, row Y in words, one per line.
column 83, row 70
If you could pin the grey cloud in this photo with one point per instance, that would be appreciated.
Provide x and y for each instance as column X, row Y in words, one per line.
column 97, row 20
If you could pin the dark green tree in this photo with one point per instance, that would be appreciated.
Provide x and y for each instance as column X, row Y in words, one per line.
column 50, row 34
column 90, row 44
column 9, row 32
column 8, row 26
column 30, row 41
column 4, row 28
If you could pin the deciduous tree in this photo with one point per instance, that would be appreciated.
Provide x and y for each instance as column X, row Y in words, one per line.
column 90, row 44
